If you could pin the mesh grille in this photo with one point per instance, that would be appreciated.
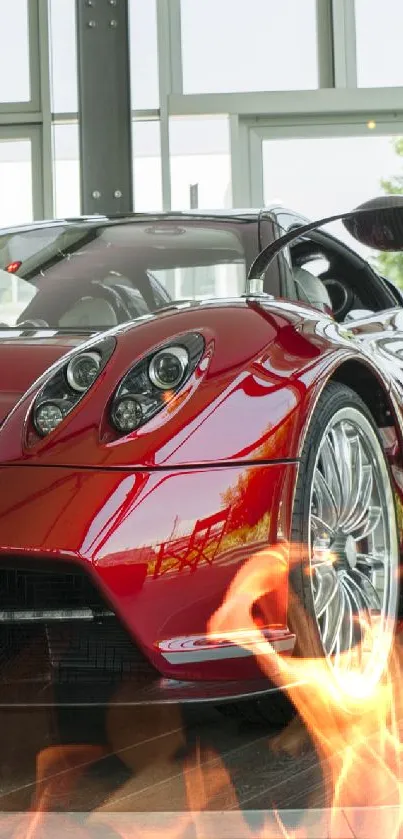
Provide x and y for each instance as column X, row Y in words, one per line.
column 103, row 649
column 43, row 587
column 68, row 651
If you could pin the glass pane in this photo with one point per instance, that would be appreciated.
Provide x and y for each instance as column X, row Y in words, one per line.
column 143, row 54
column 233, row 45
column 379, row 42
column 16, row 182
column 200, row 282
column 320, row 177
column 147, row 166
column 123, row 271
column 200, row 163
column 63, row 48
column 66, row 170
column 14, row 53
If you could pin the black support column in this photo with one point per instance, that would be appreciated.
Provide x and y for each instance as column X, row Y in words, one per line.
column 104, row 106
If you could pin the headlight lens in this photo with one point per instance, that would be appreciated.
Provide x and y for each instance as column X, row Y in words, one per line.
column 47, row 416
column 83, row 370
column 153, row 382
column 127, row 414
column 168, row 367
column 71, row 381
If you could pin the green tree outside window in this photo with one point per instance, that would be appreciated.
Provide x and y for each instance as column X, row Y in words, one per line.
column 390, row 265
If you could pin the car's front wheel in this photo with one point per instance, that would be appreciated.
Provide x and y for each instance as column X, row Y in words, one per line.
column 344, row 527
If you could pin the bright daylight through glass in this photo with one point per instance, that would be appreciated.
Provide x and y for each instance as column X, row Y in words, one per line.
column 201, row 419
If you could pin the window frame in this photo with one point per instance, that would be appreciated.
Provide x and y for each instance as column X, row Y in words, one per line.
column 337, row 99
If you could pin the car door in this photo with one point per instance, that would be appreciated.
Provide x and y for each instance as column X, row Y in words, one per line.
column 375, row 319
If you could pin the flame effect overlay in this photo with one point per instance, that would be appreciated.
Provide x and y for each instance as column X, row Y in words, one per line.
column 353, row 726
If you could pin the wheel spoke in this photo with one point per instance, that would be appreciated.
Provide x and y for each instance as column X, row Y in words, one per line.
column 343, row 448
column 335, row 619
column 320, row 525
column 347, row 627
column 326, row 501
column 369, row 524
column 331, row 471
column 357, row 478
column 368, row 591
column 354, row 545
column 354, row 594
column 361, row 511
column 327, row 587
column 373, row 563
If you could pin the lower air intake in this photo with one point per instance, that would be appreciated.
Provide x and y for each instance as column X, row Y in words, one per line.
column 65, row 649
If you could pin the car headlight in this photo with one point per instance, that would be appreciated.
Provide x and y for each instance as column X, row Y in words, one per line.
column 168, row 367
column 154, row 381
column 83, row 370
column 68, row 384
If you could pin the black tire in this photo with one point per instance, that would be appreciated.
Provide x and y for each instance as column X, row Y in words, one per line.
column 276, row 709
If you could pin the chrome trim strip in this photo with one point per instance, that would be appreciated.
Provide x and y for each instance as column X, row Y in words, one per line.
column 185, row 651
column 13, row 616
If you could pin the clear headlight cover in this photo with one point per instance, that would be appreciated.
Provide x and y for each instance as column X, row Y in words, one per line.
column 148, row 387
column 67, row 386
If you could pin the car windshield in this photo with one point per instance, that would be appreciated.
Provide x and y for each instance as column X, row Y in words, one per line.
column 90, row 276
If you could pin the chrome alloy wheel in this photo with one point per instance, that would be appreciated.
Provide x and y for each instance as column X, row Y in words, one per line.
column 354, row 551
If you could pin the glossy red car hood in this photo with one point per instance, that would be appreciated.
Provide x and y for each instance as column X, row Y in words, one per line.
column 23, row 360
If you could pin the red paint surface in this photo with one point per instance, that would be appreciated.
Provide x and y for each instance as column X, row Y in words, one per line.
column 248, row 403
column 164, row 518
column 162, row 546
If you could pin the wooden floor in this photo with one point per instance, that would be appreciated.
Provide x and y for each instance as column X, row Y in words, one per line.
column 159, row 759
column 149, row 760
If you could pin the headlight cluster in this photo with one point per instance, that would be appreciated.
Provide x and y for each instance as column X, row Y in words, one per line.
column 68, row 385
column 151, row 383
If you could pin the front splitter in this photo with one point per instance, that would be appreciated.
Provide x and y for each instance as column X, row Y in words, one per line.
column 89, row 693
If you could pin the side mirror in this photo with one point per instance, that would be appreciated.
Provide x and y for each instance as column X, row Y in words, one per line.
column 377, row 223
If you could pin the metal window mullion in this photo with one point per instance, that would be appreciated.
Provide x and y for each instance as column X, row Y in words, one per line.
column 170, row 80
column 46, row 107
column 290, row 103
column 324, row 29
column 32, row 118
column 240, row 162
column 38, row 197
column 106, row 155
column 175, row 46
column 34, row 54
column 146, row 114
column 256, row 174
column 344, row 43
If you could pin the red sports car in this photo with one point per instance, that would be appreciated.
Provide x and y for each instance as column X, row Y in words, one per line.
column 178, row 392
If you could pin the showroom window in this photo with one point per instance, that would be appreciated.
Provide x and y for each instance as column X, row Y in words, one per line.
column 251, row 46
column 63, row 50
column 324, row 176
column 147, row 166
column 66, row 170
column 200, row 163
column 379, row 43
column 143, row 54
column 16, row 202
column 15, row 83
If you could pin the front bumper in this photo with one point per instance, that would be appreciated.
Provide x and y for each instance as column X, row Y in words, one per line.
column 161, row 548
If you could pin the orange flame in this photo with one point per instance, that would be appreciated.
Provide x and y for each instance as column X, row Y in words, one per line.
column 353, row 724
column 351, row 720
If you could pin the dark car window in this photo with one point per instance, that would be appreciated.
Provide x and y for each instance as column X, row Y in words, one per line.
column 96, row 276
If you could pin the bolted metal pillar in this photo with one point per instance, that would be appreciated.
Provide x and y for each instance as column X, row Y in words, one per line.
column 104, row 106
